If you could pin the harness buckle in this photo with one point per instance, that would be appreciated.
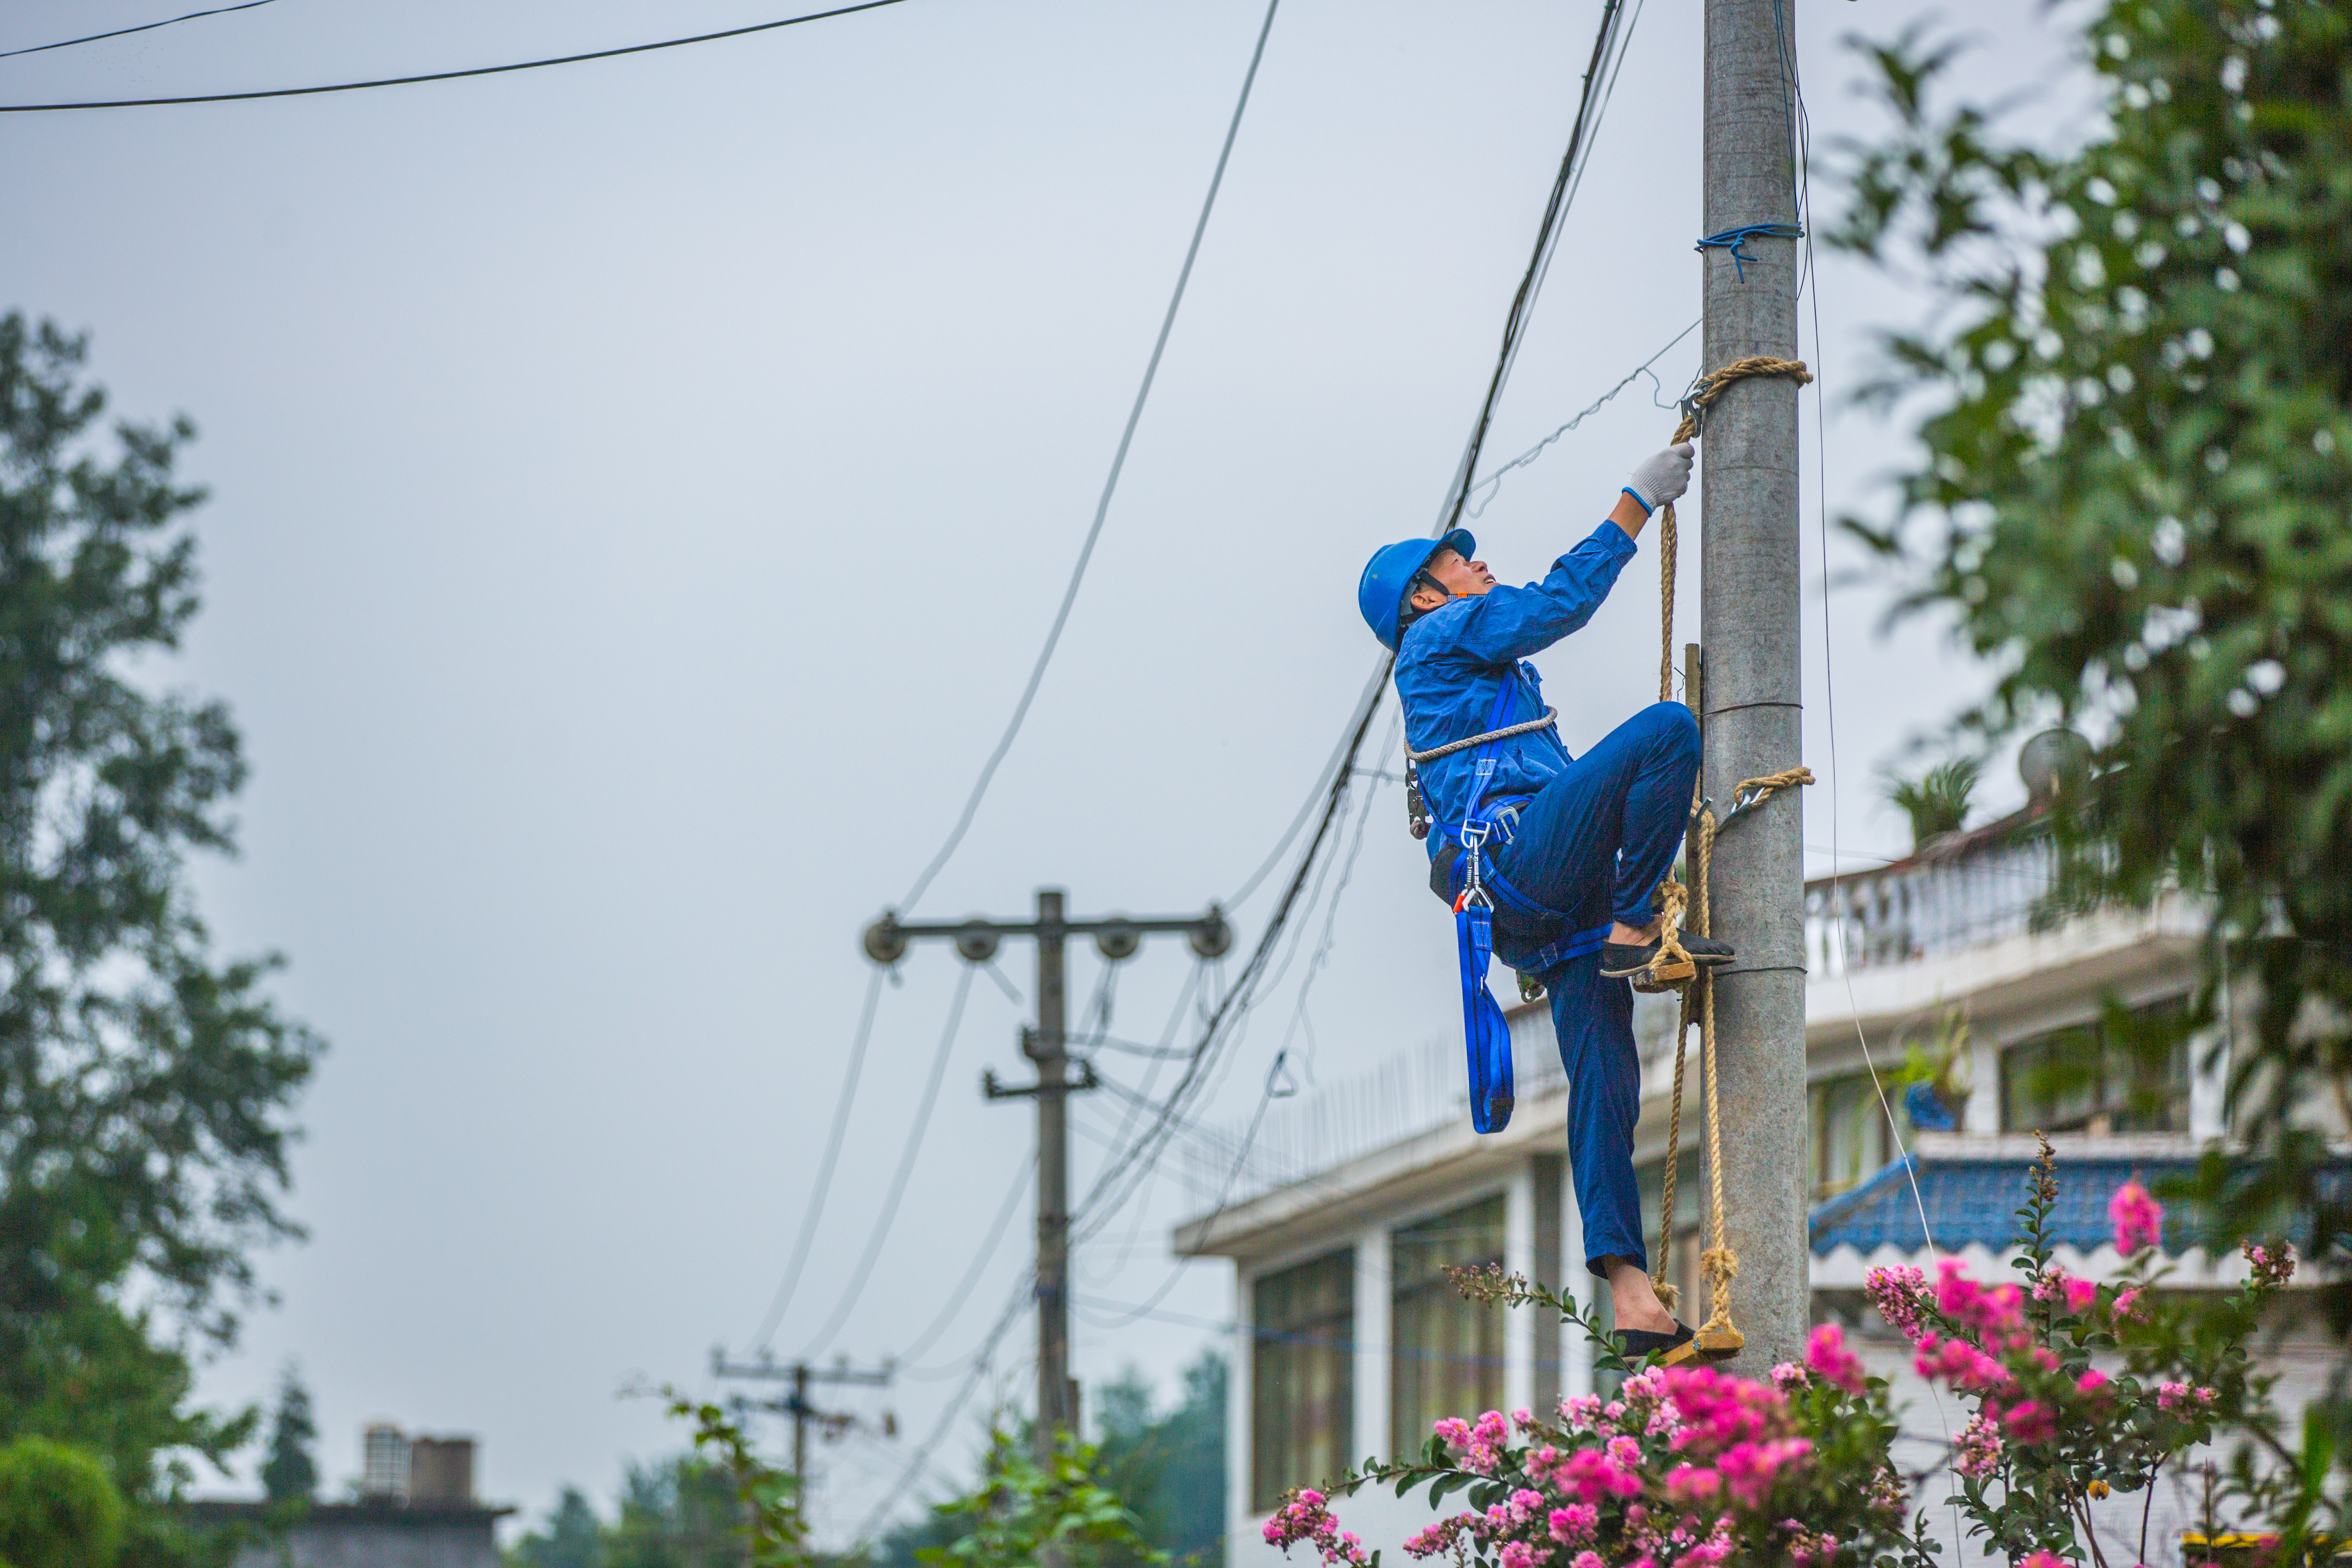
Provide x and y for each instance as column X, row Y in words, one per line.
column 1473, row 889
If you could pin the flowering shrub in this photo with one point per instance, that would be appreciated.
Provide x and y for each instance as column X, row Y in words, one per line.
column 1684, row 1468
column 1687, row 1466
column 2050, row 1432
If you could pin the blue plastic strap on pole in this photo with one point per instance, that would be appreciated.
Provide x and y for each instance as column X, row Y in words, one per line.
column 1484, row 1034
column 1731, row 239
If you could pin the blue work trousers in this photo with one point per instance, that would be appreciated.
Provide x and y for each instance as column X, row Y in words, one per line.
column 1593, row 844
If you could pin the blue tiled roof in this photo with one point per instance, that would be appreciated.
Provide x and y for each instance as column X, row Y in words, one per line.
column 1975, row 1201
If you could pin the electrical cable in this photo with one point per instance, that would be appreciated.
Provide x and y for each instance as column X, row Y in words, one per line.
column 881, row 1232
column 978, row 1369
column 1110, row 485
column 930, row 1336
column 825, row 1167
column 126, row 32
column 1225, row 1196
column 447, row 75
column 1100, row 1202
column 1103, row 1200
column 1801, row 139
column 1589, row 102
column 1306, row 808
column 1532, row 453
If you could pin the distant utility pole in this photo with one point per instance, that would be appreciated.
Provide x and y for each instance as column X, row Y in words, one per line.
column 800, row 1374
column 1117, row 937
column 1749, row 612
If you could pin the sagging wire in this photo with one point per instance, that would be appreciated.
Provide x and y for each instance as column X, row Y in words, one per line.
column 126, row 32
column 1599, row 86
column 857, row 1286
column 1800, row 148
column 1494, row 478
column 825, row 1168
column 1110, row 485
column 979, row 1259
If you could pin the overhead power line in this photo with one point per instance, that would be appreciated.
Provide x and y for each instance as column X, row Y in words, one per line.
column 1110, row 485
column 126, row 32
column 1592, row 102
column 448, row 75
column 825, row 1168
column 914, row 1145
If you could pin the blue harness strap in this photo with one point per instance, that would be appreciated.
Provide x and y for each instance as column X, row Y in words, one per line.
column 1486, row 1037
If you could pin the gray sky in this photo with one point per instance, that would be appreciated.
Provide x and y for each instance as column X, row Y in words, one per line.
column 640, row 488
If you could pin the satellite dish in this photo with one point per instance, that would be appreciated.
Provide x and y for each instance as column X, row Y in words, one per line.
column 2053, row 762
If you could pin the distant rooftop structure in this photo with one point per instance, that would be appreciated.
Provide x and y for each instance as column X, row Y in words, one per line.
column 415, row 1509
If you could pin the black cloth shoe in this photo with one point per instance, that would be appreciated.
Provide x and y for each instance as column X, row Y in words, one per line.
column 1619, row 959
column 1640, row 1344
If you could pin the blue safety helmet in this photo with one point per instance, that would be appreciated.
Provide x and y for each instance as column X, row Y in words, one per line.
column 1387, row 579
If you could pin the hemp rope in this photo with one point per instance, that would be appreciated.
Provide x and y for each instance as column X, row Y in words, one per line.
column 1673, row 967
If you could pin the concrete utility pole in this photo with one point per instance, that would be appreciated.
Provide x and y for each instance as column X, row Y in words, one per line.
column 1749, row 615
column 800, row 1375
column 1117, row 937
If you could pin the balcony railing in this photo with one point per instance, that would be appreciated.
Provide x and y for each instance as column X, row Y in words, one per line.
column 1978, row 891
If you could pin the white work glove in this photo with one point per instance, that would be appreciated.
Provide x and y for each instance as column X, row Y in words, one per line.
column 1661, row 479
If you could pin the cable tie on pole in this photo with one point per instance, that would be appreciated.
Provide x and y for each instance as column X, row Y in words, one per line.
column 1733, row 240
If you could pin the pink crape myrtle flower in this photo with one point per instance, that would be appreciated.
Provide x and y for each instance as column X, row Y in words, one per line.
column 1575, row 1524
column 2091, row 1382
column 1594, row 1476
column 1519, row 1554
column 1693, row 1484
column 1586, row 1560
column 2177, row 1396
column 2032, row 1422
column 1748, row 1470
column 1826, row 1354
column 2046, row 1560
column 2080, row 1295
column 1901, row 1296
column 1307, row 1520
column 2138, row 1218
column 1978, row 1452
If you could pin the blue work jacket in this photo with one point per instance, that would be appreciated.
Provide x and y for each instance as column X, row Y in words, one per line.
column 1454, row 660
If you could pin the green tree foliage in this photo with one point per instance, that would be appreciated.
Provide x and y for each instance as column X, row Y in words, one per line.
column 143, row 1085
column 290, row 1473
column 1020, row 1509
column 1936, row 802
column 1167, row 1469
column 2135, row 494
column 1170, row 1469
column 680, row 1513
column 58, row 1507
column 573, row 1537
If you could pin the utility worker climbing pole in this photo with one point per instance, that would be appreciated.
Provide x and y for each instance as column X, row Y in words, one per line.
column 1549, row 860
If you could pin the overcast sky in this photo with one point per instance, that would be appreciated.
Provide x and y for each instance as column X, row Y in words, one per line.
column 639, row 490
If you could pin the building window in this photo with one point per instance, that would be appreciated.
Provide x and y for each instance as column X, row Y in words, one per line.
column 2123, row 1074
column 1302, row 1375
column 1446, row 1353
column 1850, row 1136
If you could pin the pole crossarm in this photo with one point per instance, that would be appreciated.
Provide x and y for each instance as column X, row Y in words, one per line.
column 992, row 1089
column 802, row 1372
column 1117, row 937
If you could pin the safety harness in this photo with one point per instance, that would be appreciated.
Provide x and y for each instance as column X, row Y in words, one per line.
column 1486, row 1037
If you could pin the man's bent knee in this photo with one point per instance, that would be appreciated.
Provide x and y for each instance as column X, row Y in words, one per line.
column 1674, row 723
